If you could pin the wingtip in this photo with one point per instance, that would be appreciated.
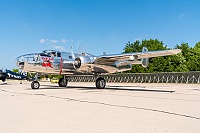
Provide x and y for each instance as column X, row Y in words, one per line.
column 176, row 51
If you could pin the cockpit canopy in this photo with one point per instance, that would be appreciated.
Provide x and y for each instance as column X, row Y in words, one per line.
column 52, row 53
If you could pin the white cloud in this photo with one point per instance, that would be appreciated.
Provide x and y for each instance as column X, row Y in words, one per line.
column 53, row 41
column 146, row 35
column 57, row 44
column 70, row 40
column 138, row 39
column 60, row 48
column 63, row 41
column 48, row 41
column 42, row 41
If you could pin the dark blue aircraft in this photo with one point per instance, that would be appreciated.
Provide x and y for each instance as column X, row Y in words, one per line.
column 8, row 74
column 3, row 76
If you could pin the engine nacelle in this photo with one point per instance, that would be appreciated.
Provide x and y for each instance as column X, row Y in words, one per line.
column 81, row 60
column 77, row 63
column 145, row 61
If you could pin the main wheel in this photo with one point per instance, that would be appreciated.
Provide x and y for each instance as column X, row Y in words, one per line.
column 100, row 83
column 35, row 85
column 62, row 82
column 3, row 79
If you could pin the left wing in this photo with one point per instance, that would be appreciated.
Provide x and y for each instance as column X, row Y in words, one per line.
column 111, row 59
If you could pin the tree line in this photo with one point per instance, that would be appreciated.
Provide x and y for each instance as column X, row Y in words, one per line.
column 187, row 60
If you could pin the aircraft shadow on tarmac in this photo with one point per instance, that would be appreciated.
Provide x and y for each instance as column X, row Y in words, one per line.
column 115, row 88
column 4, row 84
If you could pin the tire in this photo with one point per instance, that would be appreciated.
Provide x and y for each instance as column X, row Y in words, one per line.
column 62, row 82
column 100, row 83
column 35, row 85
column 4, row 79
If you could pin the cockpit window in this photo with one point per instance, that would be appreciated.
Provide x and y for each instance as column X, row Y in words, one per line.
column 42, row 54
column 58, row 54
column 52, row 53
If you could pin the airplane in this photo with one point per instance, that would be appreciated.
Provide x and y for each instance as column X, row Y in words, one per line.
column 8, row 74
column 66, row 63
column 13, row 75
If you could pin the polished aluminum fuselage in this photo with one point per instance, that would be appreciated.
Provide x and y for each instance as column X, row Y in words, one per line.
column 65, row 63
column 51, row 61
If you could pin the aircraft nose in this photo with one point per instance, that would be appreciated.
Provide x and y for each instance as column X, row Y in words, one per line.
column 20, row 62
column 34, row 58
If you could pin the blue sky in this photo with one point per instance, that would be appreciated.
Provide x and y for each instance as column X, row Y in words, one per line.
column 93, row 26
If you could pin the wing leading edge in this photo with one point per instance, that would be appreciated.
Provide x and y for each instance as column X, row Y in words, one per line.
column 112, row 59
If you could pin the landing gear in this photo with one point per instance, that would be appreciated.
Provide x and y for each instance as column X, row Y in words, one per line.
column 35, row 85
column 100, row 83
column 63, row 82
column 3, row 79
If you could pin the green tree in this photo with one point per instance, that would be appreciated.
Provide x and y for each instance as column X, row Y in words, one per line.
column 185, row 49
column 132, row 47
column 15, row 70
column 193, row 58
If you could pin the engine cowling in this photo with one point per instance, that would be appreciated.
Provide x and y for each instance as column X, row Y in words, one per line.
column 81, row 60
column 77, row 63
column 145, row 61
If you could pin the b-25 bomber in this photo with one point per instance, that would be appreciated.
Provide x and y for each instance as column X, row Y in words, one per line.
column 66, row 63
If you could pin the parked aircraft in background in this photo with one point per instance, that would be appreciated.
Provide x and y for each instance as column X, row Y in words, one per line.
column 3, row 76
column 13, row 75
column 65, row 63
column 8, row 74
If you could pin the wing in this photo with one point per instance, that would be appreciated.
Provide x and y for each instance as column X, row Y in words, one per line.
column 111, row 59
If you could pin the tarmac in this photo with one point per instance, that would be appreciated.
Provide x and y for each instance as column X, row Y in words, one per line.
column 81, row 108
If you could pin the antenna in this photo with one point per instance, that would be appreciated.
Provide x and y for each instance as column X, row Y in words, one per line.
column 73, row 56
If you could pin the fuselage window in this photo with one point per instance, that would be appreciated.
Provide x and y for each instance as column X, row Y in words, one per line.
column 70, row 57
column 36, row 57
column 58, row 54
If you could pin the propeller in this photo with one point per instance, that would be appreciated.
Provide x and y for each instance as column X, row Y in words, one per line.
column 76, row 61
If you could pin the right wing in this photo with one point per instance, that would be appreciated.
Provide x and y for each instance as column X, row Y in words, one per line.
column 112, row 59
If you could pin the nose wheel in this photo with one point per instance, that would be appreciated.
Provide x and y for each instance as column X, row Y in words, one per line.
column 35, row 85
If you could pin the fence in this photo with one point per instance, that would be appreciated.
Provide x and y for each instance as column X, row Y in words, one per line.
column 189, row 77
